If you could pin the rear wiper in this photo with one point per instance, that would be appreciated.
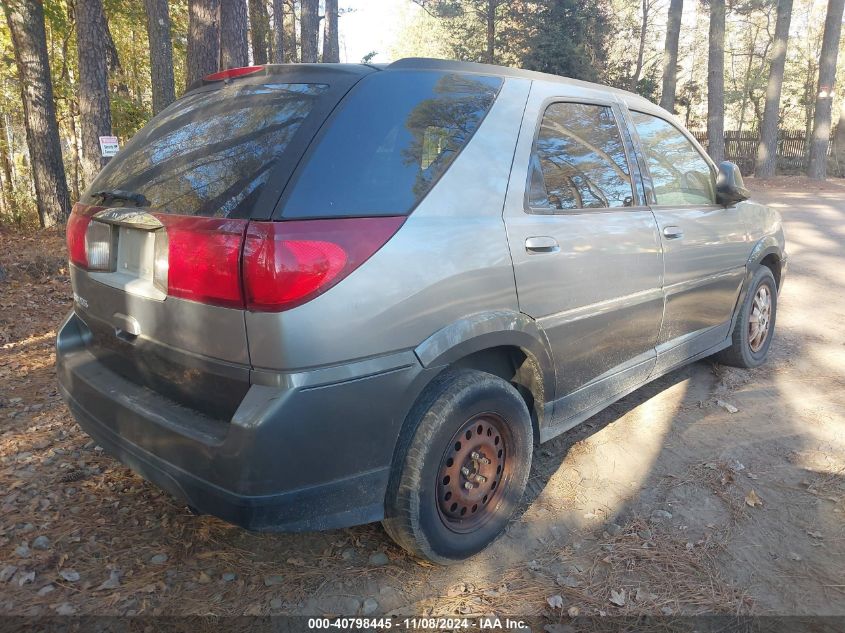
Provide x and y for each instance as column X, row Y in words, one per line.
column 118, row 194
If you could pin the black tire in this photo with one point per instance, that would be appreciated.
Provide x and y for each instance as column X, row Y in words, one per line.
column 742, row 353
column 494, row 425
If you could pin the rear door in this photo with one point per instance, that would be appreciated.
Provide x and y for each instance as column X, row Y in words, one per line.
column 163, row 299
column 704, row 243
column 585, row 249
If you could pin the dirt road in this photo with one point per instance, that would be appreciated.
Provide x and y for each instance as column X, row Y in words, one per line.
column 646, row 508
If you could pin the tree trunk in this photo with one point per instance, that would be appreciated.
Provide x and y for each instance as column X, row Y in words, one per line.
column 670, row 55
column 203, row 39
column 767, row 150
column 6, row 166
column 112, row 56
column 490, row 19
column 94, row 106
column 278, row 31
column 29, row 42
column 259, row 23
column 817, row 168
column 839, row 142
column 331, row 40
column 309, row 25
column 161, row 54
column 234, row 49
column 291, row 50
column 638, row 68
column 716, row 82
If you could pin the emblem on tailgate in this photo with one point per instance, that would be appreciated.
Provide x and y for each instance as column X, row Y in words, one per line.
column 80, row 300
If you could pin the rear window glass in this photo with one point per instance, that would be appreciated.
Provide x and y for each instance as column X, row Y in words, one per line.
column 210, row 153
column 394, row 136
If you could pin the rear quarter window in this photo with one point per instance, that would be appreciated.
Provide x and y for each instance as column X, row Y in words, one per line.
column 393, row 136
column 212, row 152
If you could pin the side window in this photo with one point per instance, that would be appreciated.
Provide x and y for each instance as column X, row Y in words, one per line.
column 679, row 173
column 394, row 135
column 578, row 160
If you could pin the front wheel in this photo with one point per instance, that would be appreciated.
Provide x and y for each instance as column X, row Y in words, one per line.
column 464, row 468
column 755, row 324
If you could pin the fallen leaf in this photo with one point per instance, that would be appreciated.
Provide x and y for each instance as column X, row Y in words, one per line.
column 753, row 500
column 113, row 581
column 566, row 581
column 727, row 406
column 617, row 597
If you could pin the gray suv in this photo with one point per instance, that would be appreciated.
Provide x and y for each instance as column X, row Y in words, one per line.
column 314, row 296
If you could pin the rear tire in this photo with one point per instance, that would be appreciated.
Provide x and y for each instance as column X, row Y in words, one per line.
column 755, row 324
column 464, row 467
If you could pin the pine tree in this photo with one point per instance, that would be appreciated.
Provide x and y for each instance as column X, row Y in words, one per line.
column 824, row 95
column 203, row 39
column 716, row 82
column 767, row 150
column 26, row 25
column 94, row 105
column 161, row 54
column 234, row 49
column 670, row 55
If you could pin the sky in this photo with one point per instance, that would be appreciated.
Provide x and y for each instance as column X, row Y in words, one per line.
column 372, row 25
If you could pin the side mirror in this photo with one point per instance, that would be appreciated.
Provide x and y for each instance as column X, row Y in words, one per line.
column 730, row 188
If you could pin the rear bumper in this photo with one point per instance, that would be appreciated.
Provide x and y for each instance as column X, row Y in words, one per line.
column 304, row 451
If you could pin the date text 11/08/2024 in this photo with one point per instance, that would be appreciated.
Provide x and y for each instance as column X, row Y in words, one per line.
column 423, row 623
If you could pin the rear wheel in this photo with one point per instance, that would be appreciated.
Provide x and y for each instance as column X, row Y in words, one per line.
column 464, row 469
column 755, row 324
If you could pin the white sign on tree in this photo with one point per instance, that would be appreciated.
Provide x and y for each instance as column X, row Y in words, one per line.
column 108, row 146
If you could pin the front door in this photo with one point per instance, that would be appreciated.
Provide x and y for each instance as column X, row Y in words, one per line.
column 586, row 252
column 704, row 244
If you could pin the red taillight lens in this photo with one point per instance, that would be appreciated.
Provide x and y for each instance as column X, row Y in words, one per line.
column 286, row 264
column 232, row 73
column 204, row 259
column 77, row 225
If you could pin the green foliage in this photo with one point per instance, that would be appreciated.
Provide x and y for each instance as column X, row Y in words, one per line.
column 567, row 38
column 564, row 37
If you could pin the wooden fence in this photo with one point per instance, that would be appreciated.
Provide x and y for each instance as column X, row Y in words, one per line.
column 792, row 152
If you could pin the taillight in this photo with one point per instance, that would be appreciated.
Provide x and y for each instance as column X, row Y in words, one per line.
column 89, row 243
column 286, row 264
column 260, row 266
column 77, row 224
column 98, row 245
column 202, row 259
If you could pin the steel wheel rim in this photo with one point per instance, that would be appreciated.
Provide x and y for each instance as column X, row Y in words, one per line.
column 760, row 318
column 472, row 473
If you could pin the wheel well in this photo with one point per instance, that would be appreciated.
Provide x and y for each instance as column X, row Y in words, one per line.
column 517, row 367
column 772, row 262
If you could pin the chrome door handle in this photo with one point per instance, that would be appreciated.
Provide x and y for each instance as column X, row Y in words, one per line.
column 541, row 244
column 673, row 232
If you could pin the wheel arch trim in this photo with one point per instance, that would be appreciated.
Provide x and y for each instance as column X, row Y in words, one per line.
column 487, row 330
column 765, row 246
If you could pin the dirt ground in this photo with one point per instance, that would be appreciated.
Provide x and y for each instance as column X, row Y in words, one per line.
column 665, row 504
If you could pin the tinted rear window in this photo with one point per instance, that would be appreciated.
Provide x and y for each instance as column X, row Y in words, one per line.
column 211, row 153
column 393, row 137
